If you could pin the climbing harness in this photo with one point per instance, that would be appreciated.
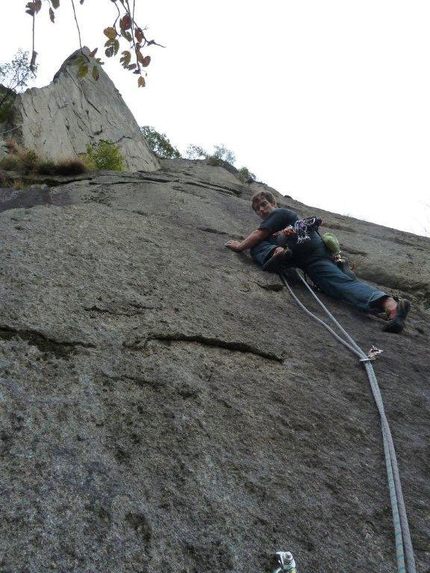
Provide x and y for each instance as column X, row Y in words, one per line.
column 304, row 226
column 404, row 549
column 301, row 229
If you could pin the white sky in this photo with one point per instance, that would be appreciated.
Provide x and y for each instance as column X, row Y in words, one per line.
column 325, row 100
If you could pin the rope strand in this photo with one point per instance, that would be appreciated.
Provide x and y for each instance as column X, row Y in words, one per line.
column 404, row 549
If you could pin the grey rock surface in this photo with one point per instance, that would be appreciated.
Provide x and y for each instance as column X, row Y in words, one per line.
column 165, row 406
column 59, row 120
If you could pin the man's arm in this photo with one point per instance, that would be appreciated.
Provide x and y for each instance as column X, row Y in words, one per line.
column 251, row 240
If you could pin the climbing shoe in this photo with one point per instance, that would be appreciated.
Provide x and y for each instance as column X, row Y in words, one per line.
column 397, row 324
column 277, row 263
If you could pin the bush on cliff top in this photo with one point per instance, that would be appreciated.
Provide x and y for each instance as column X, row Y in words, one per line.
column 104, row 155
column 14, row 77
column 159, row 143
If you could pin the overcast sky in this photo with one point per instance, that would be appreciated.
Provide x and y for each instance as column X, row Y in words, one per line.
column 325, row 100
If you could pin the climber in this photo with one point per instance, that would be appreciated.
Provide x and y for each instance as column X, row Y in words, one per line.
column 312, row 256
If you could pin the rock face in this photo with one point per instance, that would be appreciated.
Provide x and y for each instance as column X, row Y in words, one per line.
column 165, row 406
column 59, row 120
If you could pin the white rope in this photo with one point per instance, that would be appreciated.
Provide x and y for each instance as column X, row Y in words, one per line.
column 404, row 549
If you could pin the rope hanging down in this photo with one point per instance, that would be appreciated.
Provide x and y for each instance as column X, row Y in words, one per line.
column 404, row 550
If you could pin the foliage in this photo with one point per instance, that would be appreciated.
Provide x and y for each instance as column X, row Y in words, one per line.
column 12, row 146
column 220, row 156
column 14, row 77
column 7, row 97
column 16, row 73
column 245, row 175
column 196, row 152
column 221, row 153
column 24, row 161
column 62, row 167
column 27, row 161
column 159, row 143
column 123, row 29
column 7, row 182
column 104, row 155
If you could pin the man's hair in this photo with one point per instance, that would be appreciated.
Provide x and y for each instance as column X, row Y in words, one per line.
column 266, row 194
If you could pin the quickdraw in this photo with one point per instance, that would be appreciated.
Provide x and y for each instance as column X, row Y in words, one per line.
column 286, row 562
column 301, row 229
column 372, row 354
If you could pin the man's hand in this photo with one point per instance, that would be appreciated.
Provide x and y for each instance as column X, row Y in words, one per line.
column 251, row 240
column 234, row 246
column 288, row 231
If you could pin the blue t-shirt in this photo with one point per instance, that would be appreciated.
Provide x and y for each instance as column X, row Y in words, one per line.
column 303, row 253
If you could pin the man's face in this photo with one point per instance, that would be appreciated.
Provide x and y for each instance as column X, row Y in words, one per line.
column 263, row 207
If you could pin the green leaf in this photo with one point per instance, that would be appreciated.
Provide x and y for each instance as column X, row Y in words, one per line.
column 78, row 61
column 55, row 3
column 125, row 59
column 126, row 35
column 112, row 48
column 82, row 70
column 110, row 33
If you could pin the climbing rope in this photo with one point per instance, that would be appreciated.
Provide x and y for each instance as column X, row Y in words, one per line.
column 404, row 549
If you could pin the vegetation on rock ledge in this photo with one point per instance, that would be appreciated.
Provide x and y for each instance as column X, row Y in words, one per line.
column 103, row 155
column 27, row 161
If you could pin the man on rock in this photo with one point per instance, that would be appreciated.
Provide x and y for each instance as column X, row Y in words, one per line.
column 312, row 256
